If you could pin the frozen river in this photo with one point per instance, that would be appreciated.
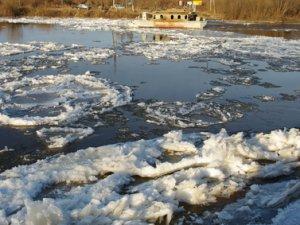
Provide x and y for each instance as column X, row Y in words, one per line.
column 71, row 84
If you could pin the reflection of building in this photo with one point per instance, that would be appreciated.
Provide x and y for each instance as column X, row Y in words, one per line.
column 154, row 37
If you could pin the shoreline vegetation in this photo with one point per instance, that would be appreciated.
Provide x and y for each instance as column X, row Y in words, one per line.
column 275, row 11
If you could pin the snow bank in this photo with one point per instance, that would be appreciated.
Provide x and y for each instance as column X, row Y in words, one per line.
column 222, row 165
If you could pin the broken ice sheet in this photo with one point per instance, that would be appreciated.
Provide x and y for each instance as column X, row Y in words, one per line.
column 94, row 55
column 57, row 59
column 190, row 114
column 58, row 137
column 69, row 97
column 265, row 98
column 6, row 149
column 8, row 49
column 223, row 165
column 222, row 46
column 12, row 49
column 212, row 93
column 263, row 203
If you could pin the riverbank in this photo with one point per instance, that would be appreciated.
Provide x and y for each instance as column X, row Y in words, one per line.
column 262, row 11
column 66, row 11
column 128, row 14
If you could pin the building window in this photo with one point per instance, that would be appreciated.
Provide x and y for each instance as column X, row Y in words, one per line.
column 161, row 16
column 172, row 17
column 179, row 17
column 154, row 17
column 185, row 17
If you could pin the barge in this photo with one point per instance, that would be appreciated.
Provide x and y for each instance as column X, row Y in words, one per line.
column 169, row 20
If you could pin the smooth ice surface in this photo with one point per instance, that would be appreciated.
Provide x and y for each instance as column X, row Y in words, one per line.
column 221, row 166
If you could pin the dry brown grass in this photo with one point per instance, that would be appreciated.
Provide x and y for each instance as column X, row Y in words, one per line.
column 11, row 8
column 266, row 10
column 255, row 10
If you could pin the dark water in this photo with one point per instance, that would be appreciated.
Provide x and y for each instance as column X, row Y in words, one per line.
column 164, row 80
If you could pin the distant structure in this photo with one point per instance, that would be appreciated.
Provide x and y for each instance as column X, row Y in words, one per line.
column 83, row 6
column 191, row 4
column 119, row 5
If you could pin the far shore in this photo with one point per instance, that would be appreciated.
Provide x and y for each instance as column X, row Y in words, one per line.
column 135, row 16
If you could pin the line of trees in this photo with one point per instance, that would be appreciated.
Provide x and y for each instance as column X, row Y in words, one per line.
column 257, row 9
column 224, row 9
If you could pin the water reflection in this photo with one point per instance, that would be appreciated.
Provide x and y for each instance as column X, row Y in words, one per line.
column 15, row 32
column 155, row 37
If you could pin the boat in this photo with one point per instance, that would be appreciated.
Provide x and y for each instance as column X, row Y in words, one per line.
column 169, row 20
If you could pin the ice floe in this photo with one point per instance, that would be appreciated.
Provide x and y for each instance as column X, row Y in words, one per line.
column 12, row 49
column 48, row 55
column 93, row 55
column 193, row 114
column 6, row 149
column 219, row 167
column 54, row 99
column 15, row 48
column 68, row 96
column 264, row 203
column 228, row 48
column 212, row 93
column 265, row 98
column 58, row 137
